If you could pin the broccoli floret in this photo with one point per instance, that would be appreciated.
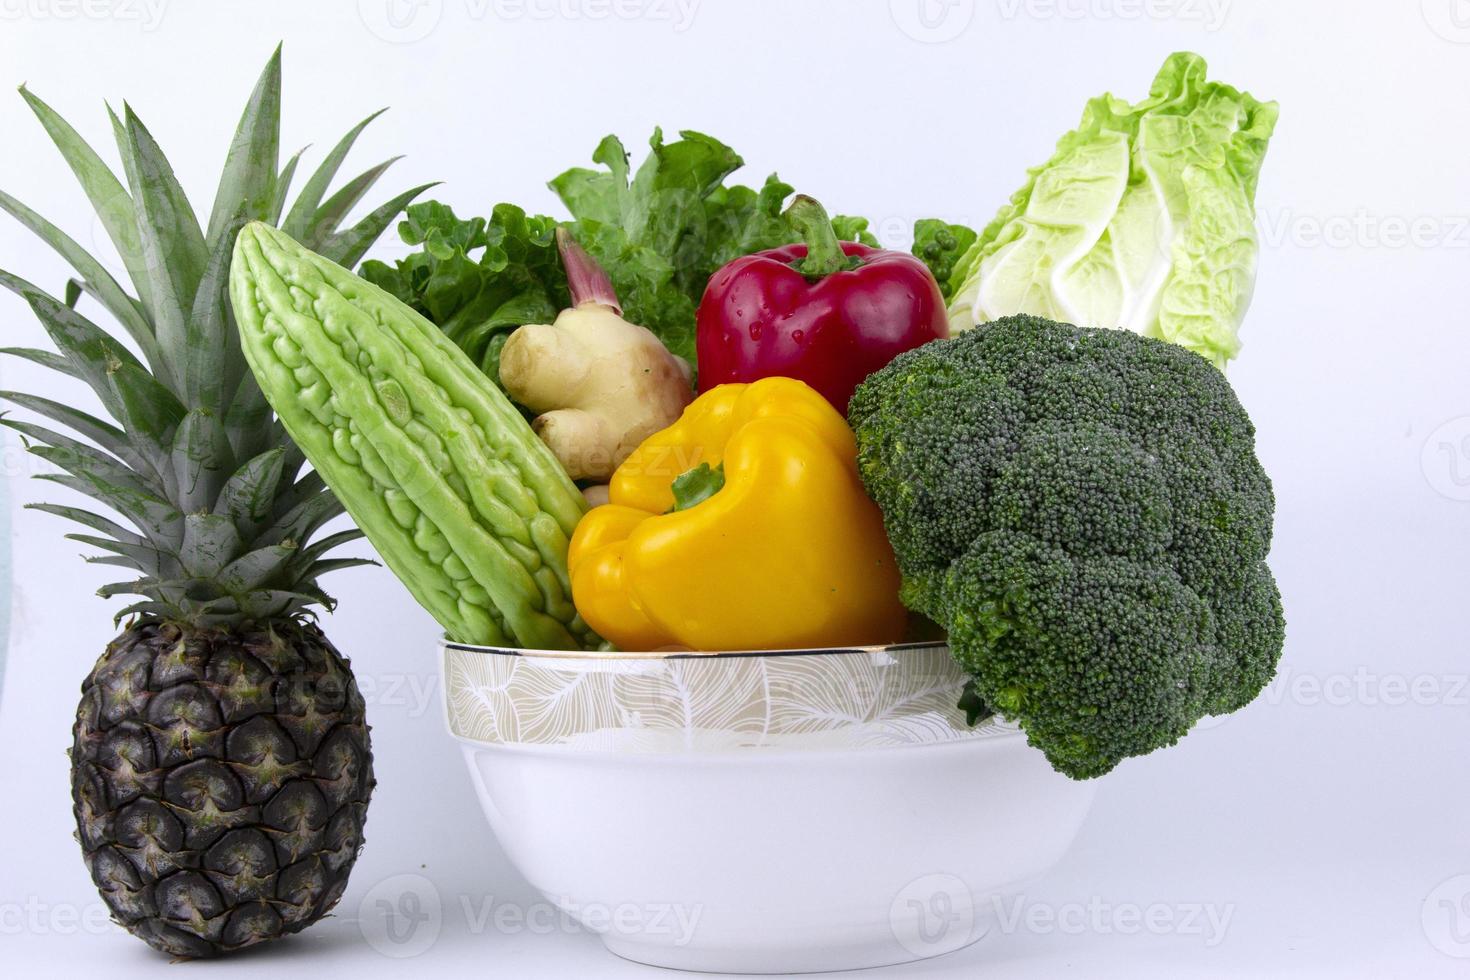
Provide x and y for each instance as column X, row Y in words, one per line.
column 1084, row 512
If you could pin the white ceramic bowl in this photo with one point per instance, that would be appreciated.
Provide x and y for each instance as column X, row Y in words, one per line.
column 780, row 812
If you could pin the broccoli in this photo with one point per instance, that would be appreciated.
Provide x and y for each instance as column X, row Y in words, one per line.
column 1083, row 511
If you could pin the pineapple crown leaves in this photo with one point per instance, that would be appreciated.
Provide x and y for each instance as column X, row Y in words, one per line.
column 221, row 506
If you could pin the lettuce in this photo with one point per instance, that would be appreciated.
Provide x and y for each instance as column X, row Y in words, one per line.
column 1143, row 219
column 660, row 231
column 476, row 279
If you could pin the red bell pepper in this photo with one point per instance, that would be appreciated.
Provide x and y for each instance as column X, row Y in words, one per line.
column 826, row 312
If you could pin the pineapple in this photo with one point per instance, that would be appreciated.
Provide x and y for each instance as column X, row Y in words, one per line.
column 221, row 767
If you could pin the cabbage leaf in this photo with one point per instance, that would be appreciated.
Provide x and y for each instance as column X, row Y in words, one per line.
column 1143, row 219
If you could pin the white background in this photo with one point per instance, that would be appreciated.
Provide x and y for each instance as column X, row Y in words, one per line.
column 1325, row 825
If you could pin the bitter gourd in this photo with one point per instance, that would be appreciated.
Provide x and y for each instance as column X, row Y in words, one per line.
column 441, row 472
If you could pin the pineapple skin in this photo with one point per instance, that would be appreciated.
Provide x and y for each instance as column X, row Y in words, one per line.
column 220, row 782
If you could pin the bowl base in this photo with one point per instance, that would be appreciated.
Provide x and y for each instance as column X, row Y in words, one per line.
column 772, row 961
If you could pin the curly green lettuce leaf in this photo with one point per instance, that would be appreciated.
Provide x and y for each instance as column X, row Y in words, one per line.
column 477, row 279
column 663, row 230
column 941, row 245
column 660, row 231
column 1144, row 219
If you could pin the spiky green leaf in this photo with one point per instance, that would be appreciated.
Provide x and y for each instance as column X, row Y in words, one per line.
column 45, row 358
column 302, row 521
column 120, row 561
column 104, row 434
column 320, row 547
column 319, row 568
column 202, row 461
column 89, row 348
column 178, row 477
column 308, row 486
column 212, row 364
column 78, row 457
column 173, row 245
column 336, row 208
column 158, row 520
column 256, row 569
column 139, row 586
column 111, row 201
column 346, row 248
column 98, row 281
column 149, row 412
column 295, row 458
column 148, row 607
column 247, row 186
column 283, row 186
column 248, row 494
column 86, row 288
column 141, row 557
column 94, row 356
column 303, row 213
column 210, row 543
column 265, row 604
column 94, row 467
column 86, row 518
column 249, row 421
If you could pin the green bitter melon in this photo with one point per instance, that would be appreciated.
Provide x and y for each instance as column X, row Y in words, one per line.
column 447, row 480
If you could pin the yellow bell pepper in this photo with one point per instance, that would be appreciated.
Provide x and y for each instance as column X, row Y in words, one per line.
column 788, row 553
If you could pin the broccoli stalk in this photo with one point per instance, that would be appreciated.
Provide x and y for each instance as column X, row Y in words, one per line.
column 1084, row 512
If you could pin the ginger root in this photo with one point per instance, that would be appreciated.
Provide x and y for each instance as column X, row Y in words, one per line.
column 600, row 384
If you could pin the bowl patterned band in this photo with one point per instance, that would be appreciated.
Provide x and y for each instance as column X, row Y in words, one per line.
column 859, row 698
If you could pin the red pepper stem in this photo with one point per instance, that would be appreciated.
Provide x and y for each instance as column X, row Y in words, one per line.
column 587, row 281
column 824, row 254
